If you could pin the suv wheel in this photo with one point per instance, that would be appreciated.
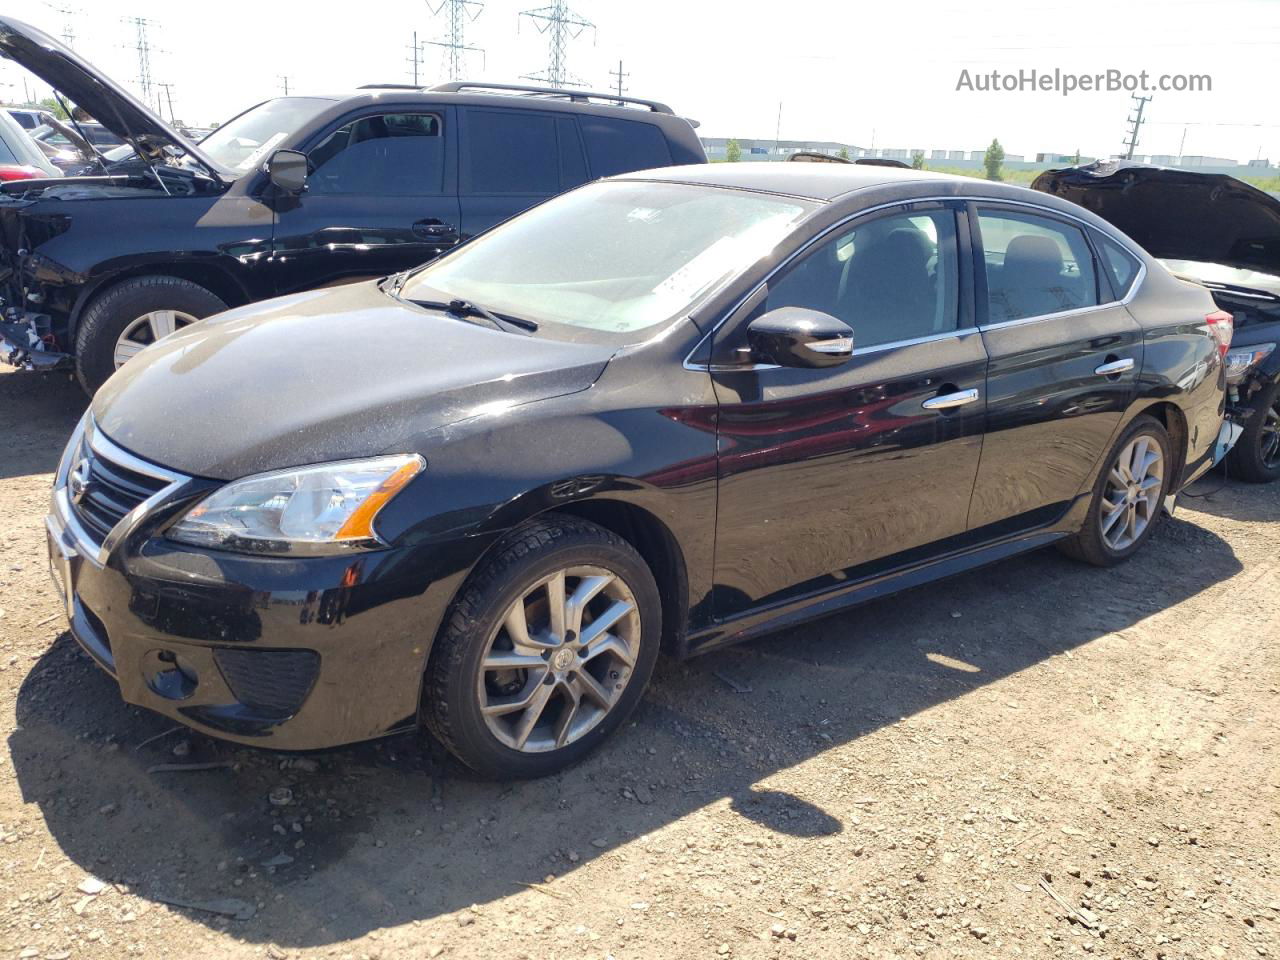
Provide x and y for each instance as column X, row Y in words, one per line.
column 548, row 648
column 133, row 315
column 1256, row 455
column 1127, row 497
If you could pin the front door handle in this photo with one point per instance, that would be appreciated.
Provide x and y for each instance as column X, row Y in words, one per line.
column 1114, row 367
column 435, row 230
column 949, row 401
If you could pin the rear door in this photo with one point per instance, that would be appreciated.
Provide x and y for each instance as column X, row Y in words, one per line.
column 1064, row 364
column 829, row 474
column 512, row 159
column 381, row 197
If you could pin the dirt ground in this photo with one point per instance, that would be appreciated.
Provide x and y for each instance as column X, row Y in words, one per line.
column 1037, row 760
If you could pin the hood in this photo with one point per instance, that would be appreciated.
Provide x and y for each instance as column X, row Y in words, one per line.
column 1177, row 214
column 325, row 375
column 86, row 87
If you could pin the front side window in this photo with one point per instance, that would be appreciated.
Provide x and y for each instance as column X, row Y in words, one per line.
column 891, row 278
column 1035, row 266
column 390, row 155
column 613, row 257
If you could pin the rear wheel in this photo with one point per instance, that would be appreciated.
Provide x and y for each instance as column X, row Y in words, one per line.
column 1256, row 455
column 546, row 651
column 132, row 315
column 1127, row 496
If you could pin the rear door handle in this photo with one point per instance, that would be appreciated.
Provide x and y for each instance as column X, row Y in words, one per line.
column 1115, row 367
column 949, row 401
column 435, row 230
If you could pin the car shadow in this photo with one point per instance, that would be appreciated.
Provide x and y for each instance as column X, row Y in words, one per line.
column 1232, row 499
column 326, row 847
column 38, row 411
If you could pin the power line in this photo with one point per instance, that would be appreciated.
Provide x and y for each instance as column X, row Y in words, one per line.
column 562, row 25
column 1135, row 125
column 457, row 14
column 619, row 76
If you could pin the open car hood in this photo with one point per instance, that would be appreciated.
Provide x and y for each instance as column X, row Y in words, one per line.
column 1177, row 214
column 109, row 104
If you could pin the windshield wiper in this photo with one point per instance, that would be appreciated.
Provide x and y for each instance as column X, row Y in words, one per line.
column 465, row 308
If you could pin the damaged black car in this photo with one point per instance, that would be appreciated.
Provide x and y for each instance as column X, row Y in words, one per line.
column 292, row 194
column 1224, row 234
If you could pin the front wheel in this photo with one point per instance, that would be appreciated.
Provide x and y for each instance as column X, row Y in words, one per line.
column 1256, row 455
column 546, row 651
column 1127, row 496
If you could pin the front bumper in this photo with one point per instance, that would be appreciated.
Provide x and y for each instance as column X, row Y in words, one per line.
column 291, row 653
column 25, row 343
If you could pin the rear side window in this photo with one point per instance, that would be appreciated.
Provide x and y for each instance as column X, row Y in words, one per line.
column 6, row 153
column 1121, row 265
column 392, row 155
column 620, row 146
column 1035, row 266
column 511, row 151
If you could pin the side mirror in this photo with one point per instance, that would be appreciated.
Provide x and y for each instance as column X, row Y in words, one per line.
column 798, row 337
column 288, row 170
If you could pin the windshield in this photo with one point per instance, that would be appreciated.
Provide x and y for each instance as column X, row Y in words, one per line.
column 244, row 142
column 615, row 256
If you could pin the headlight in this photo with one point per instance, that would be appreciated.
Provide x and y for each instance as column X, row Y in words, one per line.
column 328, row 508
column 1243, row 359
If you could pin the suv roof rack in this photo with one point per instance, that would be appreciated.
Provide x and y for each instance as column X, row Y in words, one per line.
column 577, row 96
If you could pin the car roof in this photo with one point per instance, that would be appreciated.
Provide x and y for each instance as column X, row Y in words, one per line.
column 515, row 100
column 811, row 181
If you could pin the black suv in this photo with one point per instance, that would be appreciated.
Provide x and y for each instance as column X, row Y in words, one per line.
column 294, row 193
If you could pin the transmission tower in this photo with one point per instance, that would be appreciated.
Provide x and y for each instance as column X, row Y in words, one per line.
column 68, row 15
column 144, row 49
column 1135, row 124
column 458, row 13
column 562, row 25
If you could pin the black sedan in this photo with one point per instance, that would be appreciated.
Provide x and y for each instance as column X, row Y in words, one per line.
column 666, row 411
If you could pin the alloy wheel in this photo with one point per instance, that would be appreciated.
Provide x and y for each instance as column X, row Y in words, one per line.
column 146, row 330
column 1269, row 437
column 1131, row 496
column 560, row 659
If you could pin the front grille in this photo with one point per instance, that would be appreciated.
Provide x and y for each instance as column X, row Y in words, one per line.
column 105, row 490
column 273, row 681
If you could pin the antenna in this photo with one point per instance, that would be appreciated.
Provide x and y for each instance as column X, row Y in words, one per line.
column 144, row 49
column 457, row 13
column 563, row 25
column 619, row 76
column 1135, row 124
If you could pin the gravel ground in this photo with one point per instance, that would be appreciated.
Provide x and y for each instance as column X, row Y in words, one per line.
column 1036, row 760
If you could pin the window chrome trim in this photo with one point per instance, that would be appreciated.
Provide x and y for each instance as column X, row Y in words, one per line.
column 1124, row 242
column 86, row 433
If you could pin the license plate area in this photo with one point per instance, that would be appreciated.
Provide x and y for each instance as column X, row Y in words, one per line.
column 61, row 571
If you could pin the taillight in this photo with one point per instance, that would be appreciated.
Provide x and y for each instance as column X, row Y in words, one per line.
column 1221, row 325
column 12, row 171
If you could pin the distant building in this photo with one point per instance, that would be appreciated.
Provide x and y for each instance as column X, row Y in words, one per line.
column 717, row 148
column 1062, row 159
column 1207, row 162
column 1264, row 164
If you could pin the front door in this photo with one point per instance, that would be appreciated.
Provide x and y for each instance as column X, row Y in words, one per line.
column 380, row 198
column 1064, row 365
column 827, row 475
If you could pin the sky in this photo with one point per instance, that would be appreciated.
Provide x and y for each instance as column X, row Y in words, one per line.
column 880, row 74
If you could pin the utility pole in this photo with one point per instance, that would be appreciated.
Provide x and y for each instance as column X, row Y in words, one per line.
column 415, row 56
column 144, row 49
column 68, row 15
column 168, row 96
column 284, row 83
column 561, row 25
column 620, row 76
column 777, row 131
column 457, row 14
column 1135, row 124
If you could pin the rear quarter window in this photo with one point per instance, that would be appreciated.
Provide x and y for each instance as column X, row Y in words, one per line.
column 1121, row 266
column 620, row 146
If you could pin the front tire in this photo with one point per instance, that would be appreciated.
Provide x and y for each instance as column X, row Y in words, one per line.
column 546, row 651
column 1127, row 497
column 131, row 316
column 1256, row 455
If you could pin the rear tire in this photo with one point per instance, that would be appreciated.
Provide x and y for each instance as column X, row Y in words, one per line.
column 1256, row 455
column 501, row 648
column 1128, row 496
column 120, row 308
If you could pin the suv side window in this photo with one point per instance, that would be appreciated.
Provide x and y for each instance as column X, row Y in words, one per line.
column 1035, row 266
column 1121, row 265
column 391, row 155
column 890, row 278
column 619, row 146
column 511, row 151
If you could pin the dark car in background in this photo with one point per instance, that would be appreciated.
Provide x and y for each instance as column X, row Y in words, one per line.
column 1224, row 234
column 671, row 409
column 378, row 181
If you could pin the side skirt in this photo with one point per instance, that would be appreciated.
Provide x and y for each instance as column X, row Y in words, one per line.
column 757, row 622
